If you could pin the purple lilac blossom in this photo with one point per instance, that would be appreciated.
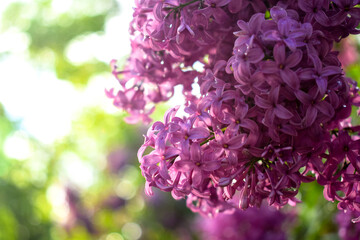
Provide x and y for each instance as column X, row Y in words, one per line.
column 252, row 224
column 347, row 230
column 274, row 109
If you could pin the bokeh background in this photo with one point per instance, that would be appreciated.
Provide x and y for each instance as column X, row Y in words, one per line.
column 68, row 166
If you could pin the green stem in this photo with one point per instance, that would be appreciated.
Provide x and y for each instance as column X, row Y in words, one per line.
column 181, row 6
column 207, row 140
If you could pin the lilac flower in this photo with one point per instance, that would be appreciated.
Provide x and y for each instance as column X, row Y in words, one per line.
column 343, row 146
column 283, row 65
column 272, row 107
column 314, row 9
column 249, row 29
column 252, row 224
column 347, row 8
column 214, row 9
column 288, row 31
column 273, row 100
column 313, row 103
column 195, row 164
column 160, row 157
column 257, row 5
column 199, row 111
column 348, row 230
column 185, row 134
column 319, row 74
column 227, row 142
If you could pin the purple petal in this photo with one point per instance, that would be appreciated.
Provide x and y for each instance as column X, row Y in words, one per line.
column 184, row 165
column 220, row 15
column 197, row 177
column 158, row 126
column 354, row 159
column 305, row 5
column 195, row 152
column 279, row 53
column 170, row 114
column 250, row 124
column 331, row 70
column 284, row 26
column 322, row 18
column 291, row 43
column 294, row 59
column 256, row 21
column 272, row 35
column 243, row 26
column 303, row 97
column 173, row 127
column 160, row 142
column 277, row 13
column 259, row 6
column 222, row 3
column 237, row 142
column 177, row 137
column 110, row 93
column 306, row 74
column 255, row 55
column 157, row 12
column 325, row 108
column 316, row 60
column 150, row 159
column 269, row 67
column 290, row 78
column 171, row 152
column 262, row 103
column 274, row 94
column 311, row 114
column 288, row 129
column 269, row 115
column 198, row 133
column 321, row 82
column 281, row 112
column 355, row 13
column 210, row 165
column 163, row 171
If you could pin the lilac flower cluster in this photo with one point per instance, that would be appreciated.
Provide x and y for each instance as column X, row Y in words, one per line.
column 265, row 223
column 348, row 231
column 274, row 109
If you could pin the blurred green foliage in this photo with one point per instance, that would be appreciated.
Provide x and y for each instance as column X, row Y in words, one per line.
column 51, row 33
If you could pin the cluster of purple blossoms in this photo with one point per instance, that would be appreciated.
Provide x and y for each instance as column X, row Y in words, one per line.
column 263, row 223
column 275, row 104
column 347, row 230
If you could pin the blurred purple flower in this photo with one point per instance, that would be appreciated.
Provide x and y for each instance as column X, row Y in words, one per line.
column 113, row 202
column 252, row 224
column 347, row 229
column 117, row 159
